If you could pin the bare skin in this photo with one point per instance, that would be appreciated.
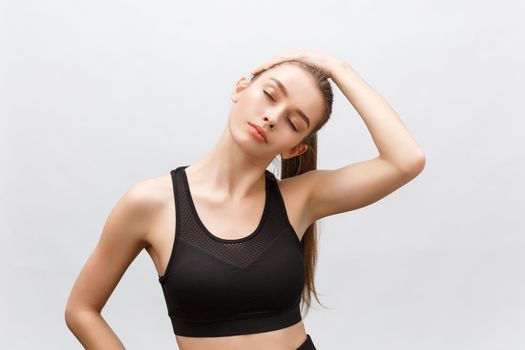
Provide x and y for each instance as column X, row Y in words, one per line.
column 144, row 218
column 212, row 215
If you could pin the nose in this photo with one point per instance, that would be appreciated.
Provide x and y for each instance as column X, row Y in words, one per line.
column 267, row 119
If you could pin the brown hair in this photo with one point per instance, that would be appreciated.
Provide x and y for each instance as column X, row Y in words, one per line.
column 302, row 163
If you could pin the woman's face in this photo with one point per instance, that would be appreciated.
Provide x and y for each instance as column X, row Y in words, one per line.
column 286, row 117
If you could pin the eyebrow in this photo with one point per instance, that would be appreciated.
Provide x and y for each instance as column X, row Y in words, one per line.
column 285, row 93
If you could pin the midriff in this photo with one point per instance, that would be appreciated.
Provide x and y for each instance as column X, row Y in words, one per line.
column 289, row 338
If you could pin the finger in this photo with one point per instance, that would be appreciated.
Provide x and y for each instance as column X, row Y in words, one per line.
column 277, row 59
column 263, row 67
column 269, row 64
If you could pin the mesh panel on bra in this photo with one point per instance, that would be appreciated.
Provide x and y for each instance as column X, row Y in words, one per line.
column 238, row 252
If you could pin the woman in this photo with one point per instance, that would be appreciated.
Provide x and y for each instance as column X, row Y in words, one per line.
column 224, row 288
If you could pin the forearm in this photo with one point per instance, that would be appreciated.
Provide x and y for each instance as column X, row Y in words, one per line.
column 92, row 331
column 388, row 132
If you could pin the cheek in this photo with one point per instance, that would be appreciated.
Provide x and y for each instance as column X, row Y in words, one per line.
column 249, row 106
column 240, row 112
column 286, row 139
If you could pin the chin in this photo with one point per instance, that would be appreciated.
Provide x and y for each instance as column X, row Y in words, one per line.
column 240, row 133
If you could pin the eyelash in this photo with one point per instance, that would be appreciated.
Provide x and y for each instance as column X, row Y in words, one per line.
column 271, row 98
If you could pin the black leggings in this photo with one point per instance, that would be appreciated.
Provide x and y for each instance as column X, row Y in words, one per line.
column 308, row 344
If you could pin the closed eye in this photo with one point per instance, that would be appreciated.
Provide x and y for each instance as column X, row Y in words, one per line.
column 289, row 122
column 267, row 94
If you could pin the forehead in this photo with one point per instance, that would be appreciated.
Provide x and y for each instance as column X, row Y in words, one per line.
column 289, row 75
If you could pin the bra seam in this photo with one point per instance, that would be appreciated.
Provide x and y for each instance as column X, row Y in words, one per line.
column 176, row 200
column 270, row 243
column 285, row 213
column 209, row 253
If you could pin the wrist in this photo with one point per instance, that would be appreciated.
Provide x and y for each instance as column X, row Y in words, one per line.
column 334, row 66
column 339, row 67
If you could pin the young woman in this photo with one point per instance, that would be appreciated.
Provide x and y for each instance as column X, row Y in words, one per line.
column 234, row 247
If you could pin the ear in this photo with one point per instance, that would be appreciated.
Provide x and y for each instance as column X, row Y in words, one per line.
column 239, row 87
column 296, row 151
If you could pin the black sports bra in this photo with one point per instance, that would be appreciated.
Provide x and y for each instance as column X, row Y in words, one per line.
column 219, row 287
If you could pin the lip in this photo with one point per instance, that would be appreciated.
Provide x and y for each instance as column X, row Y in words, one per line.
column 260, row 131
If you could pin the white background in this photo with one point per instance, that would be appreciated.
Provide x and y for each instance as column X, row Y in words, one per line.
column 97, row 96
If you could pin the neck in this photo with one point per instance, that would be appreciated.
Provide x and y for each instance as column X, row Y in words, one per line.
column 228, row 170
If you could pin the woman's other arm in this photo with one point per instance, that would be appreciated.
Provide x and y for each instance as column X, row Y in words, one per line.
column 123, row 237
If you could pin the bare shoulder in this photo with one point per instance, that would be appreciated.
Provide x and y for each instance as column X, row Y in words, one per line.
column 124, row 235
column 150, row 197
column 295, row 186
column 294, row 191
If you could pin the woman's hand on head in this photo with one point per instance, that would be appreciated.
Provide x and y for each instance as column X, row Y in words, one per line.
column 321, row 61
